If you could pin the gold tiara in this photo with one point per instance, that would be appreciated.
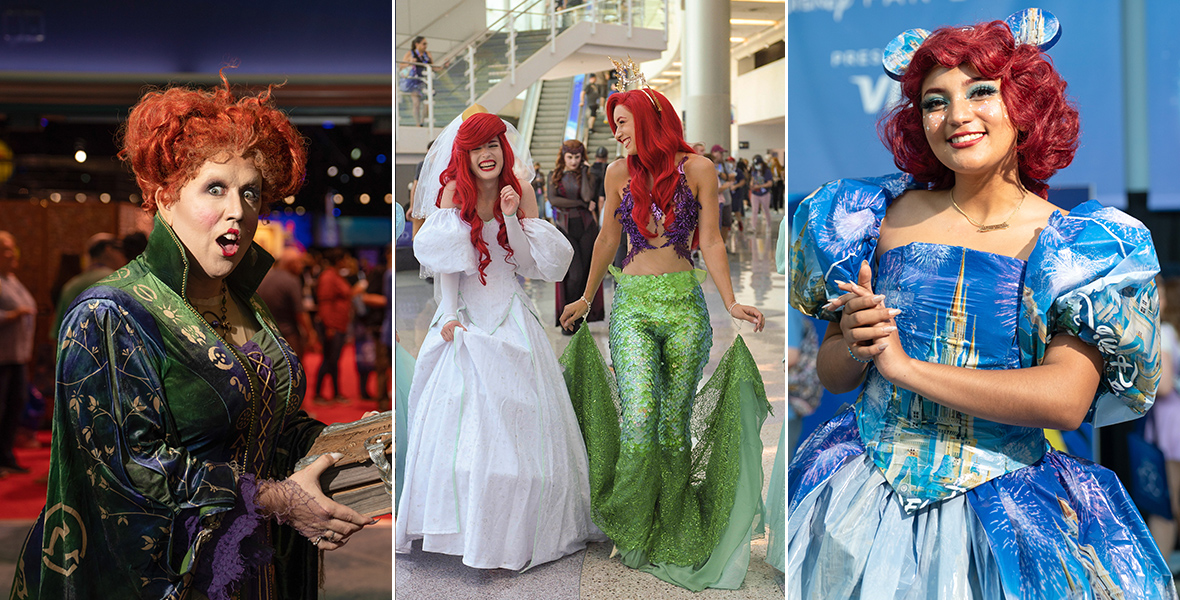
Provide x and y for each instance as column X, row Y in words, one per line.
column 627, row 73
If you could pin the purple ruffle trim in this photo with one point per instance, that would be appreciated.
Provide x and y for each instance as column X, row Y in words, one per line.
column 236, row 549
column 679, row 235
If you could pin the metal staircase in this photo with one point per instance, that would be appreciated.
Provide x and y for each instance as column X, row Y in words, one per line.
column 451, row 92
column 497, row 64
column 549, row 129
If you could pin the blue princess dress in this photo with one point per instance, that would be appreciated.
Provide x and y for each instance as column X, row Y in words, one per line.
column 900, row 497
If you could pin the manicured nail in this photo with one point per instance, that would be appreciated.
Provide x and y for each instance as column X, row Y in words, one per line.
column 883, row 346
column 893, row 312
column 879, row 298
column 889, row 329
column 827, row 306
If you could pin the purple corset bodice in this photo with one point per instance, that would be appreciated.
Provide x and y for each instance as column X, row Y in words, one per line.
column 679, row 235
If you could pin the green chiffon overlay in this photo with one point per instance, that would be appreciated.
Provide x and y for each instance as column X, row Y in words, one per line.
column 675, row 472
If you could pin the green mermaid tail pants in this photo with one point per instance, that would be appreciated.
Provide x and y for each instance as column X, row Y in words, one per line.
column 675, row 473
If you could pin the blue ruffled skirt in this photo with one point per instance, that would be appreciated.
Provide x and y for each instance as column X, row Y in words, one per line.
column 1061, row 528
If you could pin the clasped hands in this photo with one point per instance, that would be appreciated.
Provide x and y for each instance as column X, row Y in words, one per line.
column 868, row 326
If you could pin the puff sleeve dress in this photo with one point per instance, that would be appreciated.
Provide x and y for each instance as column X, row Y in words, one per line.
column 496, row 469
column 900, row 497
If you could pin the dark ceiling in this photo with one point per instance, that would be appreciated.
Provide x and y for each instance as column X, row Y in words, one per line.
column 70, row 71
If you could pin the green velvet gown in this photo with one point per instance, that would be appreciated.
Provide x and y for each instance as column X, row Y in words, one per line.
column 160, row 430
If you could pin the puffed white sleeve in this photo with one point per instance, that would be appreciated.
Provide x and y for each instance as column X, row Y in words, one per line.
column 443, row 244
column 549, row 252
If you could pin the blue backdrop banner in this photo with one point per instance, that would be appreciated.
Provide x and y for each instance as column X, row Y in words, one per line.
column 838, row 88
column 1163, row 89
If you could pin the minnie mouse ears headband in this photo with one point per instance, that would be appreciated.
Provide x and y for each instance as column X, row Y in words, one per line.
column 628, row 73
column 1030, row 26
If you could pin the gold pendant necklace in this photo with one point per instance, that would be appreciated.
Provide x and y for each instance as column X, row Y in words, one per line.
column 980, row 227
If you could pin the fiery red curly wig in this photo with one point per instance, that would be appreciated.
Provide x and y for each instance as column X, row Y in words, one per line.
column 659, row 136
column 1033, row 94
column 171, row 133
column 477, row 130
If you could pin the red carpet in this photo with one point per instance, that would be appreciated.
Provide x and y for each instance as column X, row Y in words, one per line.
column 23, row 496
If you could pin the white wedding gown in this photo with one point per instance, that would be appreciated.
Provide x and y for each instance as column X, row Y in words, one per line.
column 496, row 468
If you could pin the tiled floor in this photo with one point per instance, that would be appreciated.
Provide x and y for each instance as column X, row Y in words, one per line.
column 591, row 574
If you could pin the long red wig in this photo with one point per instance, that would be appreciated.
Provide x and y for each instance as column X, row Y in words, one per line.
column 1033, row 94
column 477, row 130
column 659, row 135
column 170, row 134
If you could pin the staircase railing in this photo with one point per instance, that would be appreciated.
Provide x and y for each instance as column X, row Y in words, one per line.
column 458, row 78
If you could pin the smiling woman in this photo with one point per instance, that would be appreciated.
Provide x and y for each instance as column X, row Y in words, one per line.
column 495, row 470
column 177, row 424
column 974, row 314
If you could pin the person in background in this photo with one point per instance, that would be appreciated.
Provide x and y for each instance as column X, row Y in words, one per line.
column 538, row 184
column 593, row 93
column 385, row 346
column 334, row 303
column 777, row 188
column 282, row 291
column 1165, row 414
column 761, row 182
column 413, row 75
column 105, row 255
column 725, row 180
column 368, row 314
column 740, row 191
column 18, row 312
column 571, row 191
column 699, row 148
column 598, row 177
column 725, row 217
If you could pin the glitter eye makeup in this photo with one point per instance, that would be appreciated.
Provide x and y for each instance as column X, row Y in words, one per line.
column 933, row 102
column 982, row 90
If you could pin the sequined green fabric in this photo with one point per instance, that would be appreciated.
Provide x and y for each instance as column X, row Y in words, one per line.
column 664, row 457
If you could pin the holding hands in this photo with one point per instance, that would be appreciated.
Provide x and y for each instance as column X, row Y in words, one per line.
column 572, row 312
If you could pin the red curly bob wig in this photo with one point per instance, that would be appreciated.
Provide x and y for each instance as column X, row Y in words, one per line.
column 1033, row 94
column 477, row 130
column 170, row 134
column 659, row 136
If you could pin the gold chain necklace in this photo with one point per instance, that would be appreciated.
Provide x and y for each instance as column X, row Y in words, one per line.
column 981, row 228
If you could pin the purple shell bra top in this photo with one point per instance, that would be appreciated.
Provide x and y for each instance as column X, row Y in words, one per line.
column 679, row 236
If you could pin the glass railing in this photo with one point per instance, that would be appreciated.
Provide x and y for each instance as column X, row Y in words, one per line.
column 457, row 79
